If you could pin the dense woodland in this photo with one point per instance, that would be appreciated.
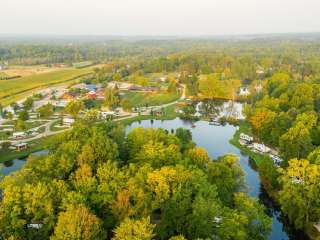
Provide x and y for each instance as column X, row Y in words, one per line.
column 286, row 115
column 98, row 183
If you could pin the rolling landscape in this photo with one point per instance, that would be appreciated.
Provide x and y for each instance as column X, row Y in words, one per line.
column 160, row 120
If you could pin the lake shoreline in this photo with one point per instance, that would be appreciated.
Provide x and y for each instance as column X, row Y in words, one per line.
column 233, row 140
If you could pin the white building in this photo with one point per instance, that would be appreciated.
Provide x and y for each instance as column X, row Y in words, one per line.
column 163, row 79
column 34, row 115
column 244, row 91
column 246, row 137
column 261, row 148
column 106, row 115
column 68, row 121
column 35, row 225
column 9, row 109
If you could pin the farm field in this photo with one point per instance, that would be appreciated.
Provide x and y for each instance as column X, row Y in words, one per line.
column 25, row 71
column 15, row 89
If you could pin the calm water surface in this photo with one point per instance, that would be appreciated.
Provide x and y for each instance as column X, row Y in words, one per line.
column 215, row 139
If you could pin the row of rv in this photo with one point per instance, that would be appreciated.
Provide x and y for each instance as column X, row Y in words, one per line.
column 259, row 147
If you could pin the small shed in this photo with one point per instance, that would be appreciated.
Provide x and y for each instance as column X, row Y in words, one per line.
column 21, row 146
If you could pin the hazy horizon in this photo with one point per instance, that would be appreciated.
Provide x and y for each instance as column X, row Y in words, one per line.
column 159, row 17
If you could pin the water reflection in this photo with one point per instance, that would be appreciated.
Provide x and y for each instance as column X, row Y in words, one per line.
column 216, row 140
column 10, row 166
column 8, row 163
column 219, row 108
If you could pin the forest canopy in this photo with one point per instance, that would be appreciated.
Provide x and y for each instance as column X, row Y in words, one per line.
column 99, row 183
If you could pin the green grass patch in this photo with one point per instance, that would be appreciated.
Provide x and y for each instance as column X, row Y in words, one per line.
column 56, row 126
column 5, row 135
column 82, row 64
column 30, row 125
column 169, row 113
column 139, row 99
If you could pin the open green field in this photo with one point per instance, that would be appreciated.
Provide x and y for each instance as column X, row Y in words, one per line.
column 169, row 114
column 152, row 99
column 15, row 89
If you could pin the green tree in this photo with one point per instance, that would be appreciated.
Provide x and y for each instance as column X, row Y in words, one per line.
column 74, row 107
column 46, row 111
column 296, row 143
column 23, row 115
column 259, row 224
column 28, row 103
column 172, row 87
column 134, row 229
column 111, row 98
column 126, row 105
column 20, row 125
column 92, row 115
column 300, row 193
column 77, row 224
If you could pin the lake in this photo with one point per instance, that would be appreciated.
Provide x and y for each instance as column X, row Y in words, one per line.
column 215, row 139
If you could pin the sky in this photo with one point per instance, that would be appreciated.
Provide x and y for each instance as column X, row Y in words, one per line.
column 158, row 17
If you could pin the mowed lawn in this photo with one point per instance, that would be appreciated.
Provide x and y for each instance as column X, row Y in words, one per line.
column 138, row 99
column 10, row 88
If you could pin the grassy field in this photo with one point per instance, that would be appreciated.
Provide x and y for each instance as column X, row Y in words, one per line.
column 12, row 90
column 152, row 99
column 169, row 114
column 25, row 71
